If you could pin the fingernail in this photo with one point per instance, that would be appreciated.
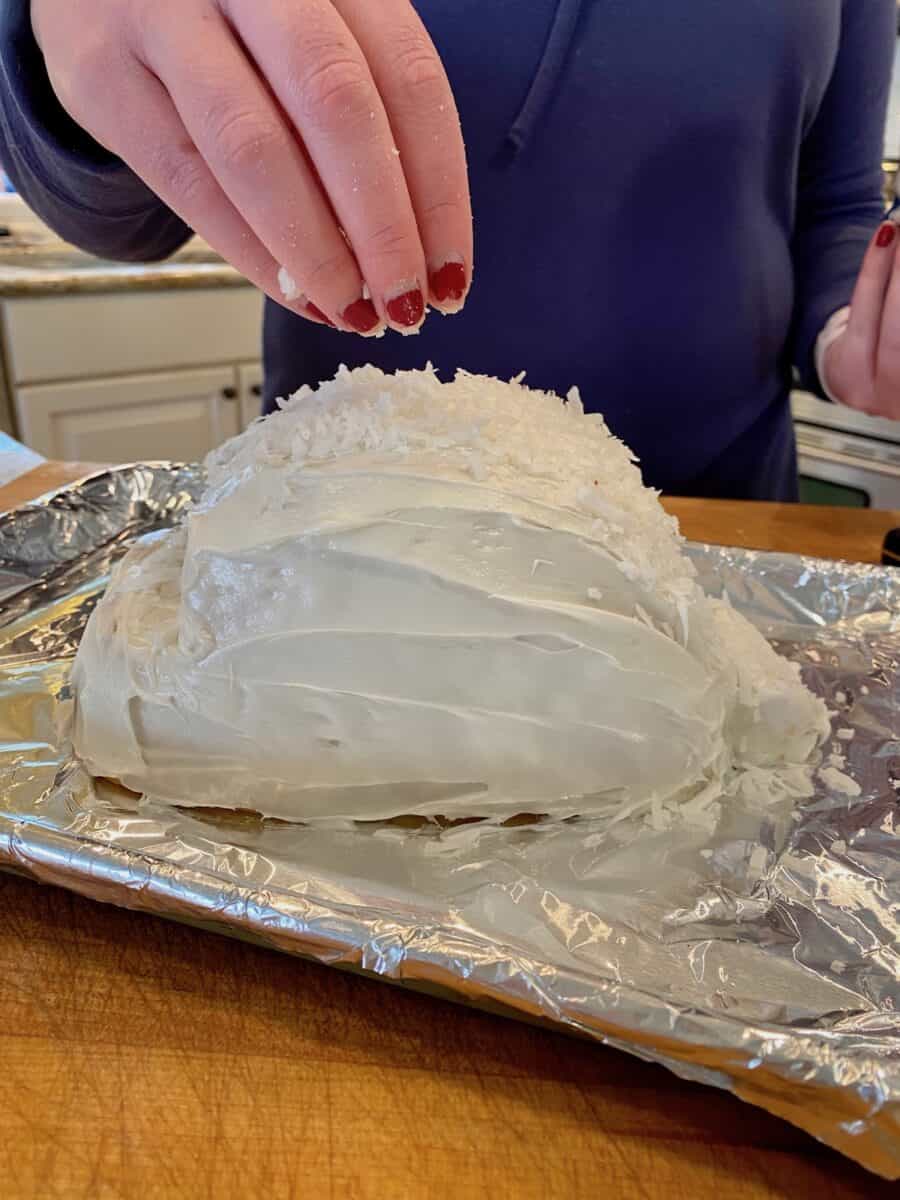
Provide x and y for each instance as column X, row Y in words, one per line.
column 448, row 282
column 886, row 234
column 318, row 314
column 407, row 309
column 360, row 315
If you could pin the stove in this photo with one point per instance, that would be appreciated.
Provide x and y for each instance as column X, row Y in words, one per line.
column 846, row 457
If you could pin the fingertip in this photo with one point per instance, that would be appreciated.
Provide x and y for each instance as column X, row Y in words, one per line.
column 362, row 317
column 310, row 310
column 448, row 284
column 294, row 299
column 405, row 308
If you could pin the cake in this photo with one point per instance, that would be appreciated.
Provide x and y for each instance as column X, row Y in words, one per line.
column 401, row 596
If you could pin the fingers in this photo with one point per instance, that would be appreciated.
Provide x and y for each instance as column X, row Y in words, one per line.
column 256, row 160
column 422, row 112
column 887, row 360
column 140, row 124
column 314, row 143
column 321, row 78
column 868, row 299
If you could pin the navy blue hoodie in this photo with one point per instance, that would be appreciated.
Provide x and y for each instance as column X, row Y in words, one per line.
column 670, row 200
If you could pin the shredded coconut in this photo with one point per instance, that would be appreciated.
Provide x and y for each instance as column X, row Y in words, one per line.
column 837, row 781
column 288, row 287
column 527, row 441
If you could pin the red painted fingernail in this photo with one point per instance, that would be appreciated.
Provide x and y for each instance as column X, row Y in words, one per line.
column 318, row 314
column 886, row 234
column 360, row 315
column 407, row 309
column 448, row 282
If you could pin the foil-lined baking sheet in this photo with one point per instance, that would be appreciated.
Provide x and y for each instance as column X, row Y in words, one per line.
column 761, row 955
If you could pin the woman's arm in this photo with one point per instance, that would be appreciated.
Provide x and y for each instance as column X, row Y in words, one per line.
column 839, row 197
column 84, row 193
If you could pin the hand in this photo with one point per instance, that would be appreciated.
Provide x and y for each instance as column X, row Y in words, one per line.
column 862, row 367
column 318, row 136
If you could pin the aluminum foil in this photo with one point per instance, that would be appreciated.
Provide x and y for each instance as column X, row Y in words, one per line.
column 762, row 956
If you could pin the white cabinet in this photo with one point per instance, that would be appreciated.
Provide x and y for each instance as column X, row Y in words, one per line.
column 62, row 338
column 165, row 415
column 123, row 376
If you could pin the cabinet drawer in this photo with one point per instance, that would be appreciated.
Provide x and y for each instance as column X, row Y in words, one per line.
column 83, row 337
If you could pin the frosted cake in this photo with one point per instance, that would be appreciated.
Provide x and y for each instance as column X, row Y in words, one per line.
column 404, row 596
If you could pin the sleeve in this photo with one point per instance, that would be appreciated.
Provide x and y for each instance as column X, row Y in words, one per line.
column 82, row 191
column 839, row 194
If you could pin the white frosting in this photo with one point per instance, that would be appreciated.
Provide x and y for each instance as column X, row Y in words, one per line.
column 401, row 596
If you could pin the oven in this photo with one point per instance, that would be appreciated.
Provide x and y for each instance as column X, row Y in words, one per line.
column 845, row 457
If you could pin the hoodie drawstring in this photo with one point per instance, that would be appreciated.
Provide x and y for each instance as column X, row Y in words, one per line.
column 546, row 77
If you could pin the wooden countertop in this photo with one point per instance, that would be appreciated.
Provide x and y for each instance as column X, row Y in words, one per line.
column 144, row 1059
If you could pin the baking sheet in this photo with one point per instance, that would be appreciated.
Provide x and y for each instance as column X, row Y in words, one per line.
column 762, row 956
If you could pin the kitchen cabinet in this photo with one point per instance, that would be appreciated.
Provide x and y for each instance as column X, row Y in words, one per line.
column 122, row 376
column 165, row 415
column 250, row 385
column 117, row 333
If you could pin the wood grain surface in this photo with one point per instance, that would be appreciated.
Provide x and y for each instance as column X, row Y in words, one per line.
column 851, row 534
column 46, row 478
column 140, row 1058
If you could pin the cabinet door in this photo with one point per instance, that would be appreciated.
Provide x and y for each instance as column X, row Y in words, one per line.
column 178, row 415
column 250, row 387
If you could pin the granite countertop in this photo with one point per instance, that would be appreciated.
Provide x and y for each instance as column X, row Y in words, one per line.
column 54, row 268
